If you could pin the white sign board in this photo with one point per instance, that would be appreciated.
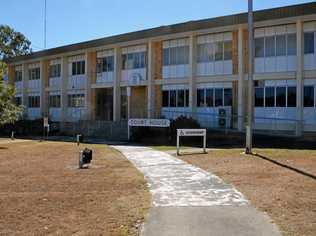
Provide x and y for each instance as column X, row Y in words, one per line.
column 149, row 122
column 191, row 132
column 46, row 122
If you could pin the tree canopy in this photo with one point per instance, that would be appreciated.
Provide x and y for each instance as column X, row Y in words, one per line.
column 12, row 43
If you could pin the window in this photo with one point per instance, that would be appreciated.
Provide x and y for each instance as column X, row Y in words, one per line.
column 281, row 45
column 205, row 53
column 281, row 96
column 218, row 97
column 135, row 60
column 105, row 64
column 259, row 47
column 259, row 96
column 78, row 68
column 176, row 55
column 165, row 98
column 218, row 49
column 186, row 97
column 34, row 101
column 309, row 43
column 180, row 98
column 269, row 96
column 54, row 101
column 228, row 50
column 18, row 101
column 34, row 74
column 291, row 44
column 76, row 100
column 200, row 98
column 173, row 98
column 270, row 46
column 209, row 100
column 54, row 71
column 291, row 96
column 17, row 76
column 228, row 97
column 308, row 96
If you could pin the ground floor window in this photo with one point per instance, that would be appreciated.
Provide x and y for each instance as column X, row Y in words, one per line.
column 54, row 101
column 175, row 98
column 214, row 97
column 309, row 96
column 76, row 100
column 34, row 101
column 275, row 96
column 18, row 101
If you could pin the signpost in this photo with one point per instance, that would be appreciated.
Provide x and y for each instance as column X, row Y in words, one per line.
column 163, row 123
column 191, row 132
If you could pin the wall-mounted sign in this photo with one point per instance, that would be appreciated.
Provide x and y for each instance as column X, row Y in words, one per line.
column 45, row 122
column 149, row 122
column 135, row 79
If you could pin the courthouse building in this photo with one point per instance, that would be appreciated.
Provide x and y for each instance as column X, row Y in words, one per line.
column 196, row 68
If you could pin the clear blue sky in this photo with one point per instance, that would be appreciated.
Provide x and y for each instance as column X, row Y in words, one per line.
column 71, row 21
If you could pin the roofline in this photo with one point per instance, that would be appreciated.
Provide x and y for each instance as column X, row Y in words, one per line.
column 235, row 19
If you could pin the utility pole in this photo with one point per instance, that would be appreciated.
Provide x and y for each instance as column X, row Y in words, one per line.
column 44, row 24
column 249, row 126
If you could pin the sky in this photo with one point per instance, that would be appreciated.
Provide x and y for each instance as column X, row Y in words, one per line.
column 72, row 21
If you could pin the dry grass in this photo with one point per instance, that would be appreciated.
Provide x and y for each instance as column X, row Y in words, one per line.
column 43, row 192
column 287, row 196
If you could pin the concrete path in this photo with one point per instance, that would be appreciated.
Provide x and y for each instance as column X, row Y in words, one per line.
column 190, row 201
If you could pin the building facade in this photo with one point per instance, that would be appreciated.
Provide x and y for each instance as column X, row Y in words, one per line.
column 197, row 68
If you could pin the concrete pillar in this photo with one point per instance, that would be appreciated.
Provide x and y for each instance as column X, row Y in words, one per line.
column 116, row 84
column 192, row 73
column 299, row 77
column 91, row 63
column 44, row 64
column 25, row 82
column 241, row 94
column 151, row 82
column 64, row 83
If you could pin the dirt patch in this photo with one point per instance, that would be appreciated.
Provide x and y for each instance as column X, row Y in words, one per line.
column 287, row 196
column 41, row 191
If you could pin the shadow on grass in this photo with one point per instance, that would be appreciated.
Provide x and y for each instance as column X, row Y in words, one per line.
column 302, row 172
column 3, row 148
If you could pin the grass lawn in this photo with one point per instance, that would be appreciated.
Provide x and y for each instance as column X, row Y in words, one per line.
column 287, row 196
column 42, row 191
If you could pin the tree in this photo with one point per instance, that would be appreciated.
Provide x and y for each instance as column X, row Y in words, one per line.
column 12, row 44
column 9, row 112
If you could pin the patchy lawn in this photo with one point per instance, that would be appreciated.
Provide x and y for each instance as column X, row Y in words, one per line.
column 287, row 196
column 42, row 191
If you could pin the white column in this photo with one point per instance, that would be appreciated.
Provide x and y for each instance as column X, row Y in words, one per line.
column 43, row 93
column 150, row 81
column 192, row 73
column 88, row 95
column 116, row 85
column 241, row 94
column 299, row 77
column 25, row 81
column 64, row 83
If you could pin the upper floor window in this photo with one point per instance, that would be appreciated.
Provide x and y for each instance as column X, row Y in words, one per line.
column 34, row 73
column 176, row 55
column 34, row 101
column 76, row 100
column 54, row 71
column 54, row 101
column 309, row 44
column 277, row 45
column 217, row 51
column 105, row 64
column 78, row 68
column 134, row 60
column 17, row 75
